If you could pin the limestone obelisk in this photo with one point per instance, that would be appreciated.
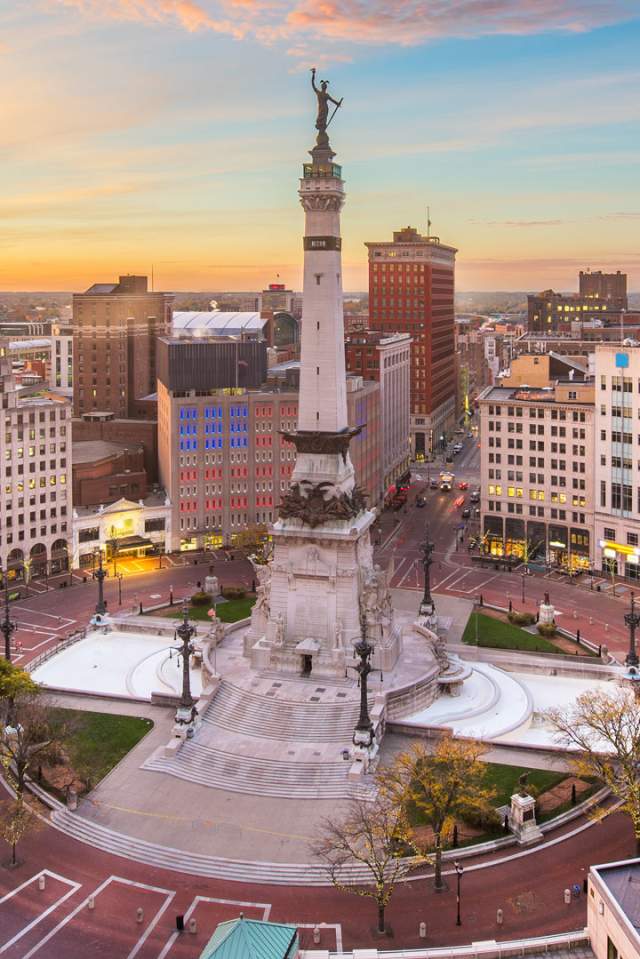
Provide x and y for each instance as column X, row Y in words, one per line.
column 321, row 575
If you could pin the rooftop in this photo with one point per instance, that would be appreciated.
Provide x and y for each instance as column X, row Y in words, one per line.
column 251, row 939
column 217, row 323
column 88, row 451
column 622, row 879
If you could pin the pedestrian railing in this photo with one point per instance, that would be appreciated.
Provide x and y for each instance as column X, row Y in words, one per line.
column 539, row 946
column 54, row 650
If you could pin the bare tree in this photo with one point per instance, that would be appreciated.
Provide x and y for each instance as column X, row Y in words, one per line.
column 438, row 786
column 371, row 835
column 605, row 728
column 31, row 739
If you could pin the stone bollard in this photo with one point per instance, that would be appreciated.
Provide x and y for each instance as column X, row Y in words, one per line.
column 72, row 800
column 139, row 914
column 91, row 903
column 606, row 627
column 422, row 930
column 193, row 925
column 499, row 917
column 591, row 621
column 316, row 935
column 575, row 614
column 567, row 897
column 41, row 882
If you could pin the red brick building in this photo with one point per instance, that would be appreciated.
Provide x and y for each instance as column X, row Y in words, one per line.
column 411, row 290
column 104, row 472
column 115, row 326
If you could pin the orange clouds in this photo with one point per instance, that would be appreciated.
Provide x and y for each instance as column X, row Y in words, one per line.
column 190, row 16
column 403, row 22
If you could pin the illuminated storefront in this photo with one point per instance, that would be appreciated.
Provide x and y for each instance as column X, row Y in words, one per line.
column 620, row 559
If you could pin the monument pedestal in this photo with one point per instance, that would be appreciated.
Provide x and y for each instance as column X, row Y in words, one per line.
column 522, row 819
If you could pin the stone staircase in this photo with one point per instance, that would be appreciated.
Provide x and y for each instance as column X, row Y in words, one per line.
column 257, row 776
column 96, row 836
column 241, row 711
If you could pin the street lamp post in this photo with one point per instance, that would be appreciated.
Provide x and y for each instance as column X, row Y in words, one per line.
column 427, row 606
column 523, row 575
column 171, row 596
column 119, row 589
column 186, row 710
column 363, row 733
column 459, row 871
column 8, row 627
column 632, row 620
column 99, row 575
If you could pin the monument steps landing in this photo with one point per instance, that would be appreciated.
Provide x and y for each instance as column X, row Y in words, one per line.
column 93, row 834
column 241, row 711
column 254, row 776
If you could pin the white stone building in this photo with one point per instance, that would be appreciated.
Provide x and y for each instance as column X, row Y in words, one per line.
column 613, row 910
column 123, row 529
column 537, row 498
column 35, row 494
column 617, row 461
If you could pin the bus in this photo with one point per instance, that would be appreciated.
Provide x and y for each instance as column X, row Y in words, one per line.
column 446, row 481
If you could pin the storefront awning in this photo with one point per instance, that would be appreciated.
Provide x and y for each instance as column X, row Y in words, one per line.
column 132, row 542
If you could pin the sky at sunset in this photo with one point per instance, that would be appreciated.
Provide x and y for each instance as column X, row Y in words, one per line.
column 172, row 132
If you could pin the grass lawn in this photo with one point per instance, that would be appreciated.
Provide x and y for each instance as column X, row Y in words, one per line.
column 98, row 741
column 229, row 612
column 504, row 780
column 493, row 632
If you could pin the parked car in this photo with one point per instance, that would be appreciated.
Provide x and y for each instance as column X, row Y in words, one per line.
column 466, row 513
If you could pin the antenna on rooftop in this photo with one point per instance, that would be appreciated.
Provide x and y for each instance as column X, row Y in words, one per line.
column 428, row 222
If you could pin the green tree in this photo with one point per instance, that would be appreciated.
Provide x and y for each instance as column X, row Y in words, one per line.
column 16, row 820
column 436, row 788
column 14, row 684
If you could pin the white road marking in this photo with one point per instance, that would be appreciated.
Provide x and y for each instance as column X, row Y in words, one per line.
column 264, row 906
column 34, row 922
column 103, row 885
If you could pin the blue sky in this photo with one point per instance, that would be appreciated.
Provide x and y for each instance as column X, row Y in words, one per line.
column 169, row 132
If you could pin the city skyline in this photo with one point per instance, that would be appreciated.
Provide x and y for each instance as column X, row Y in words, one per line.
column 516, row 126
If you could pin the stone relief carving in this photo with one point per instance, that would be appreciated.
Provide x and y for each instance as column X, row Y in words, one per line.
column 315, row 504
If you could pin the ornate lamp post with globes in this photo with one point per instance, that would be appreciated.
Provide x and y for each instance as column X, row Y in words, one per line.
column 427, row 605
column 8, row 626
column 632, row 620
column 363, row 733
column 186, row 711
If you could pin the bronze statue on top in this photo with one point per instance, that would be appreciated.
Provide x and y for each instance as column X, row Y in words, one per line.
column 324, row 99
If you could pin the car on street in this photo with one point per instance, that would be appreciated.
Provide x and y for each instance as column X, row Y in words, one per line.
column 457, row 447
column 463, row 484
column 475, row 496
column 458, row 502
column 420, row 501
column 466, row 513
column 434, row 483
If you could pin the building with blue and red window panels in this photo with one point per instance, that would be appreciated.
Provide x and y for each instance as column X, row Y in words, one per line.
column 223, row 461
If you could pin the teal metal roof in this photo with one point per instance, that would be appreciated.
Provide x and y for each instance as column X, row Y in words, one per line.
column 252, row 939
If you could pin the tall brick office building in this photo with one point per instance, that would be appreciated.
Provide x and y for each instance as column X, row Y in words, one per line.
column 411, row 290
column 115, row 326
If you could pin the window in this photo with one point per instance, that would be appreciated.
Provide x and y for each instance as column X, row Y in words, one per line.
column 609, row 534
column 632, row 539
